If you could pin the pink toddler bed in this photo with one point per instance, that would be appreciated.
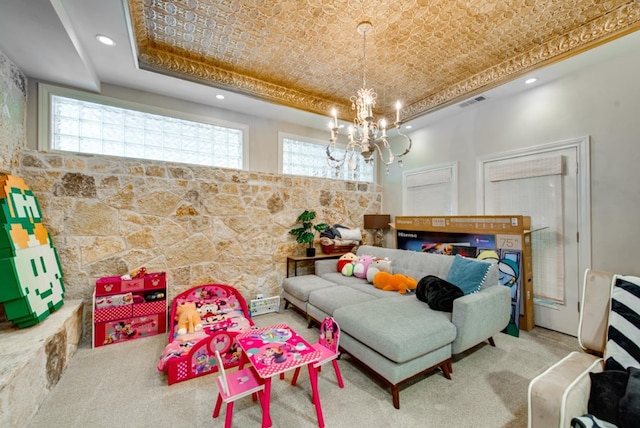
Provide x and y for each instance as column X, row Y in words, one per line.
column 224, row 315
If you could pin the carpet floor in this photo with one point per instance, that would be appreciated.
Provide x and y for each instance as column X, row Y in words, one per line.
column 118, row 386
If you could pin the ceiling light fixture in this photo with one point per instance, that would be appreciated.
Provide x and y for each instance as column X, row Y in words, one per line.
column 105, row 40
column 366, row 136
column 530, row 80
column 220, row 97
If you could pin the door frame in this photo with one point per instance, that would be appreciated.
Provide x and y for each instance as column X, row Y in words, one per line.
column 583, row 148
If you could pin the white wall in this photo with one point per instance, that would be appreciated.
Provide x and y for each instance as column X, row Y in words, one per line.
column 602, row 101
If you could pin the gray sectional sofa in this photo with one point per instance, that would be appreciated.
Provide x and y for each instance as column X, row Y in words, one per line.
column 399, row 337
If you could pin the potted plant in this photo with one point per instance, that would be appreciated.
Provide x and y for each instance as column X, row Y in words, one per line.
column 305, row 232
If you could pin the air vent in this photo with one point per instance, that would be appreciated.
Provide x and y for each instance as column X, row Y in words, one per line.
column 472, row 101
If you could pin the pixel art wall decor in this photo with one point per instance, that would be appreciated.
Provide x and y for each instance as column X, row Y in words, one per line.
column 31, row 286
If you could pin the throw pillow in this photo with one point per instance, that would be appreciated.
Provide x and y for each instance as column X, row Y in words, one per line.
column 623, row 336
column 607, row 388
column 468, row 274
column 629, row 407
column 437, row 293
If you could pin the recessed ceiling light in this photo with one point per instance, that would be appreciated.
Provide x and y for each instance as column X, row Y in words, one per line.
column 105, row 40
column 408, row 127
column 340, row 126
column 530, row 80
column 220, row 97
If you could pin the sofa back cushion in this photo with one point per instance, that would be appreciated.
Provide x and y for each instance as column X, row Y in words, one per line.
column 411, row 263
column 417, row 265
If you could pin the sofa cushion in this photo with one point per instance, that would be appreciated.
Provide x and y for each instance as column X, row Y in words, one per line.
column 437, row 293
column 301, row 286
column 414, row 264
column 623, row 334
column 468, row 274
column 628, row 409
column 607, row 388
column 399, row 328
column 357, row 284
column 330, row 299
column 339, row 279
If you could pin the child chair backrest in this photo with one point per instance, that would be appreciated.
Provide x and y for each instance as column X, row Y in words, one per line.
column 329, row 334
column 223, row 374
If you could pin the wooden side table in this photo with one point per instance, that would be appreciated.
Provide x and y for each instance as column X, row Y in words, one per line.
column 297, row 259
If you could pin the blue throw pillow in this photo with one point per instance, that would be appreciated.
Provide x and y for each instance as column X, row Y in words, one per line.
column 468, row 274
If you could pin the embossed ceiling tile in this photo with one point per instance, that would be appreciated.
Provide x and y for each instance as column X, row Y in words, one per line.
column 422, row 51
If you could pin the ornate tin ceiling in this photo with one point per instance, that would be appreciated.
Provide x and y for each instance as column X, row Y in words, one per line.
column 308, row 55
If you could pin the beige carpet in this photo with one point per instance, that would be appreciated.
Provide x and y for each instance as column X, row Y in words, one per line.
column 118, row 386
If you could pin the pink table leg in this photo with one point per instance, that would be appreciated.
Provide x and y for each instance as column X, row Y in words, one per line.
column 313, row 376
column 266, row 404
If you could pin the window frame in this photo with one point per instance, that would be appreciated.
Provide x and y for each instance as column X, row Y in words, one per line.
column 451, row 167
column 45, row 117
column 310, row 140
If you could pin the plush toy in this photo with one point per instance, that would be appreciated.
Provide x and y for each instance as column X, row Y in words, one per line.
column 394, row 282
column 378, row 265
column 189, row 320
column 344, row 260
column 361, row 266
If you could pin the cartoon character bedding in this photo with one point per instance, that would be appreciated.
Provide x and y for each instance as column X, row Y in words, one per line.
column 223, row 314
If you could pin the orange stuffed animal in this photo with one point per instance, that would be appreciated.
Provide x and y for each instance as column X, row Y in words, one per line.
column 189, row 320
column 394, row 282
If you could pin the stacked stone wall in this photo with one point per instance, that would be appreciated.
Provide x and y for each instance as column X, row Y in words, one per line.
column 108, row 216
column 13, row 102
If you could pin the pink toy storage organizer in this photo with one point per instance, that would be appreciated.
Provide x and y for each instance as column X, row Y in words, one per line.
column 224, row 315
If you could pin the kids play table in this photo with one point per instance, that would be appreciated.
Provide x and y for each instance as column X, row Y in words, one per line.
column 273, row 350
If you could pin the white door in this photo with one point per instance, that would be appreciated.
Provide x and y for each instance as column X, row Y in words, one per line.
column 545, row 184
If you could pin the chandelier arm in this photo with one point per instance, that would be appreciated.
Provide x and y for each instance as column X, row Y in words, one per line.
column 408, row 149
column 330, row 158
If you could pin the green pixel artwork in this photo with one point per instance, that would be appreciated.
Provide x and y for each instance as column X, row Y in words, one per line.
column 31, row 286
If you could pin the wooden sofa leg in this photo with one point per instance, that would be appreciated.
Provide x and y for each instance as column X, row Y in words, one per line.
column 395, row 393
column 286, row 304
column 491, row 342
column 447, row 369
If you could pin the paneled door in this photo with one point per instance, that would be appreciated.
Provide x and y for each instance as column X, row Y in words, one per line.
column 550, row 184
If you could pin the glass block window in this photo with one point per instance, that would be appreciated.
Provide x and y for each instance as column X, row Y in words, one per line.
column 87, row 127
column 310, row 159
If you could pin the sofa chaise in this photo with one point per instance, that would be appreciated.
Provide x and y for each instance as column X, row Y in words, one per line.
column 395, row 336
column 563, row 391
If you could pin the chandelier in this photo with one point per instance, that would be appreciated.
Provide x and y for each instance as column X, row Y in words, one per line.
column 366, row 137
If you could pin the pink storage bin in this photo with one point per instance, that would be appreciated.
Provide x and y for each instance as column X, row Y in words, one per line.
column 155, row 280
column 113, row 313
column 108, row 285
column 141, row 309
column 132, row 284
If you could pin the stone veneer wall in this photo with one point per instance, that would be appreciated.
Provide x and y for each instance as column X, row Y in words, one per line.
column 109, row 215
column 13, row 104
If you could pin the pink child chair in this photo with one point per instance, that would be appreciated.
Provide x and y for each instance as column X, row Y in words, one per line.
column 236, row 385
column 327, row 345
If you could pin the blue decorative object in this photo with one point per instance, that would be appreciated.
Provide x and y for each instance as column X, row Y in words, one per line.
column 468, row 274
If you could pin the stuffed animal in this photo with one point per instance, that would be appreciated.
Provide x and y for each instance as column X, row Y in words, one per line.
column 361, row 266
column 344, row 261
column 188, row 318
column 378, row 265
column 394, row 282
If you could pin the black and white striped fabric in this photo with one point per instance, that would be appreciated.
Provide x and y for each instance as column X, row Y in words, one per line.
column 623, row 336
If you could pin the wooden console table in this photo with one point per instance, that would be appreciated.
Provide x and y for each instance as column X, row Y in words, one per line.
column 297, row 259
